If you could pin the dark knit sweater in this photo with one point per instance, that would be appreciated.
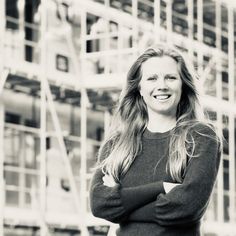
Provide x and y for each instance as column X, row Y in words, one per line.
column 139, row 203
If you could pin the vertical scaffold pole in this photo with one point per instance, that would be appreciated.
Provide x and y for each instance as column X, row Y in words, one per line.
column 220, row 196
column 2, row 41
column 107, row 41
column 83, row 155
column 2, row 183
column 190, row 27
column 157, row 20
column 42, row 160
column 84, row 104
column 200, row 34
column 231, row 48
column 43, row 117
column 135, row 23
column 21, row 8
column 169, row 20
column 231, row 76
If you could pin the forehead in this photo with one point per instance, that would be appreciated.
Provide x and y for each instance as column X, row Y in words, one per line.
column 160, row 65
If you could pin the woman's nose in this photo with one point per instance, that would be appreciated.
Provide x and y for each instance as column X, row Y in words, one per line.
column 161, row 83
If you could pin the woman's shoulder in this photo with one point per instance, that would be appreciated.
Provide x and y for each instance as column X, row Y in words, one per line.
column 205, row 133
column 204, row 128
column 203, row 137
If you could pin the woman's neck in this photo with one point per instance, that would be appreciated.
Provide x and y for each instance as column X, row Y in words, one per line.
column 161, row 123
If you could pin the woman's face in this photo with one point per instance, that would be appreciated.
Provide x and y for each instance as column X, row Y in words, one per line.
column 161, row 85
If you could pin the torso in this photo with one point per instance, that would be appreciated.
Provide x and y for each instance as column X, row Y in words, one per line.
column 148, row 167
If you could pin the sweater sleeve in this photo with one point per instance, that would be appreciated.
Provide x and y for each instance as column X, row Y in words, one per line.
column 115, row 203
column 186, row 203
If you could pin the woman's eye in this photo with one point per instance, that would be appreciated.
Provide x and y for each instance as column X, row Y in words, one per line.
column 171, row 77
column 151, row 78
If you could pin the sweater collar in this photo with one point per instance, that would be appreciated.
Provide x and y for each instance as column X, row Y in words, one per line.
column 157, row 135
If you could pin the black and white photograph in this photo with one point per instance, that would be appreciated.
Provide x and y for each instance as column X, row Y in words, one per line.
column 118, row 117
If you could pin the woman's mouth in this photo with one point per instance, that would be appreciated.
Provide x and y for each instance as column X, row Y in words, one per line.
column 162, row 97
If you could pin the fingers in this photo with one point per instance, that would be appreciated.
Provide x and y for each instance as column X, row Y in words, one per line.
column 169, row 186
column 108, row 181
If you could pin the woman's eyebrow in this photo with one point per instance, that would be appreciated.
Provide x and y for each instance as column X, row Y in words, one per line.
column 153, row 75
column 171, row 74
column 157, row 75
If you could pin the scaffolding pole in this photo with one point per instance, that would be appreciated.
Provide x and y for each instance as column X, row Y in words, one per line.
column 107, row 41
column 169, row 20
column 83, row 156
column 190, row 27
column 157, row 20
column 84, row 103
column 135, row 23
column 21, row 9
column 119, row 48
column 2, row 81
column 3, row 73
column 2, row 182
column 220, row 193
column 231, row 86
column 218, row 56
column 200, row 35
column 43, row 117
column 232, row 169
column 231, row 56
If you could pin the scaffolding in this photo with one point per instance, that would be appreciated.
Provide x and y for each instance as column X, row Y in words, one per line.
column 95, row 43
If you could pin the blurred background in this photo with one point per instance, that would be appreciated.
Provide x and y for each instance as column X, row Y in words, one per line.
column 62, row 67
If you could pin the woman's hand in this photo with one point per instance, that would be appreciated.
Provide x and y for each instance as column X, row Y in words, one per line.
column 169, row 186
column 109, row 181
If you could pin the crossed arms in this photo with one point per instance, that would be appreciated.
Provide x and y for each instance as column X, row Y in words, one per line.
column 183, row 204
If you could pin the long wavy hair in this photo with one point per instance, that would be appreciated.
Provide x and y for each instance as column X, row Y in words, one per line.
column 123, row 142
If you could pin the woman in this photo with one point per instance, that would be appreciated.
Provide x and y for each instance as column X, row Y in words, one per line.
column 158, row 166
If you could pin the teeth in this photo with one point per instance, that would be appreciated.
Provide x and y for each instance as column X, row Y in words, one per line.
column 161, row 97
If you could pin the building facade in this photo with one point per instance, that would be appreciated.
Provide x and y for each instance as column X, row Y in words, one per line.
column 62, row 67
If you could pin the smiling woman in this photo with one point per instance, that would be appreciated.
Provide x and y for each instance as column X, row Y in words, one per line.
column 160, row 153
